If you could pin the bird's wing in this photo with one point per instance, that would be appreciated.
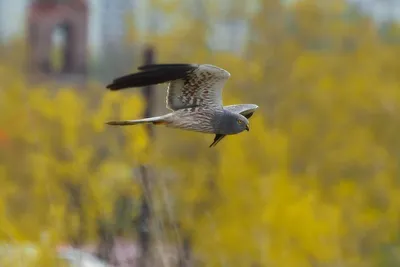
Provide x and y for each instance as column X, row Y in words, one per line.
column 246, row 110
column 217, row 138
column 189, row 85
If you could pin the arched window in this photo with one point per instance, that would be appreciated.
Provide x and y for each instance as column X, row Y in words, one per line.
column 58, row 37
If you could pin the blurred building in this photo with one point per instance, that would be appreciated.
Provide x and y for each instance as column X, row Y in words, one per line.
column 115, row 52
column 2, row 16
column 115, row 15
column 70, row 17
column 229, row 35
column 381, row 10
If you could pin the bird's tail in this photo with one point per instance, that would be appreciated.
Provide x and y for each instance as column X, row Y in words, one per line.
column 153, row 120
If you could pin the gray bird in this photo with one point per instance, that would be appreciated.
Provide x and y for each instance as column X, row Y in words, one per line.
column 194, row 95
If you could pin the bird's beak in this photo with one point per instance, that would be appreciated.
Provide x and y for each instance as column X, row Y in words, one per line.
column 247, row 127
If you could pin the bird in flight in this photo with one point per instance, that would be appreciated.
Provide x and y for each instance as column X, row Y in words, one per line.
column 194, row 95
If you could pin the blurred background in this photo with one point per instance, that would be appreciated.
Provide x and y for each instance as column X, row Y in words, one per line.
column 315, row 183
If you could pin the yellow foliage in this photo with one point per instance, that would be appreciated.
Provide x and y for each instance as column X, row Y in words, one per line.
column 54, row 178
column 314, row 182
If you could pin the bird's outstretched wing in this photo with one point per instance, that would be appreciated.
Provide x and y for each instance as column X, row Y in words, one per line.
column 246, row 110
column 190, row 85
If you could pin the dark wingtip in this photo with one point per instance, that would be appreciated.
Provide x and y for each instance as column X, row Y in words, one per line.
column 217, row 139
column 249, row 115
column 170, row 65
column 151, row 74
column 115, row 85
column 213, row 144
column 112, row 87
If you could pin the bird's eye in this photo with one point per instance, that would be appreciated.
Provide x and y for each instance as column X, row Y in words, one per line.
column 239, row 121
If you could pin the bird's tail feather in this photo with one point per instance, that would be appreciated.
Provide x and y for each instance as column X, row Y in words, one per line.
column 153, row 120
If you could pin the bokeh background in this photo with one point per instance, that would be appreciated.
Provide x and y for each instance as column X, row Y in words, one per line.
column 315, row 183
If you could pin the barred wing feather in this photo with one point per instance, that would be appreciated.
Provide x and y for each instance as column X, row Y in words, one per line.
column 189, row 84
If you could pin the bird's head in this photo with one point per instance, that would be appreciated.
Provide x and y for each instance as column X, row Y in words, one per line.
column 233, row 123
